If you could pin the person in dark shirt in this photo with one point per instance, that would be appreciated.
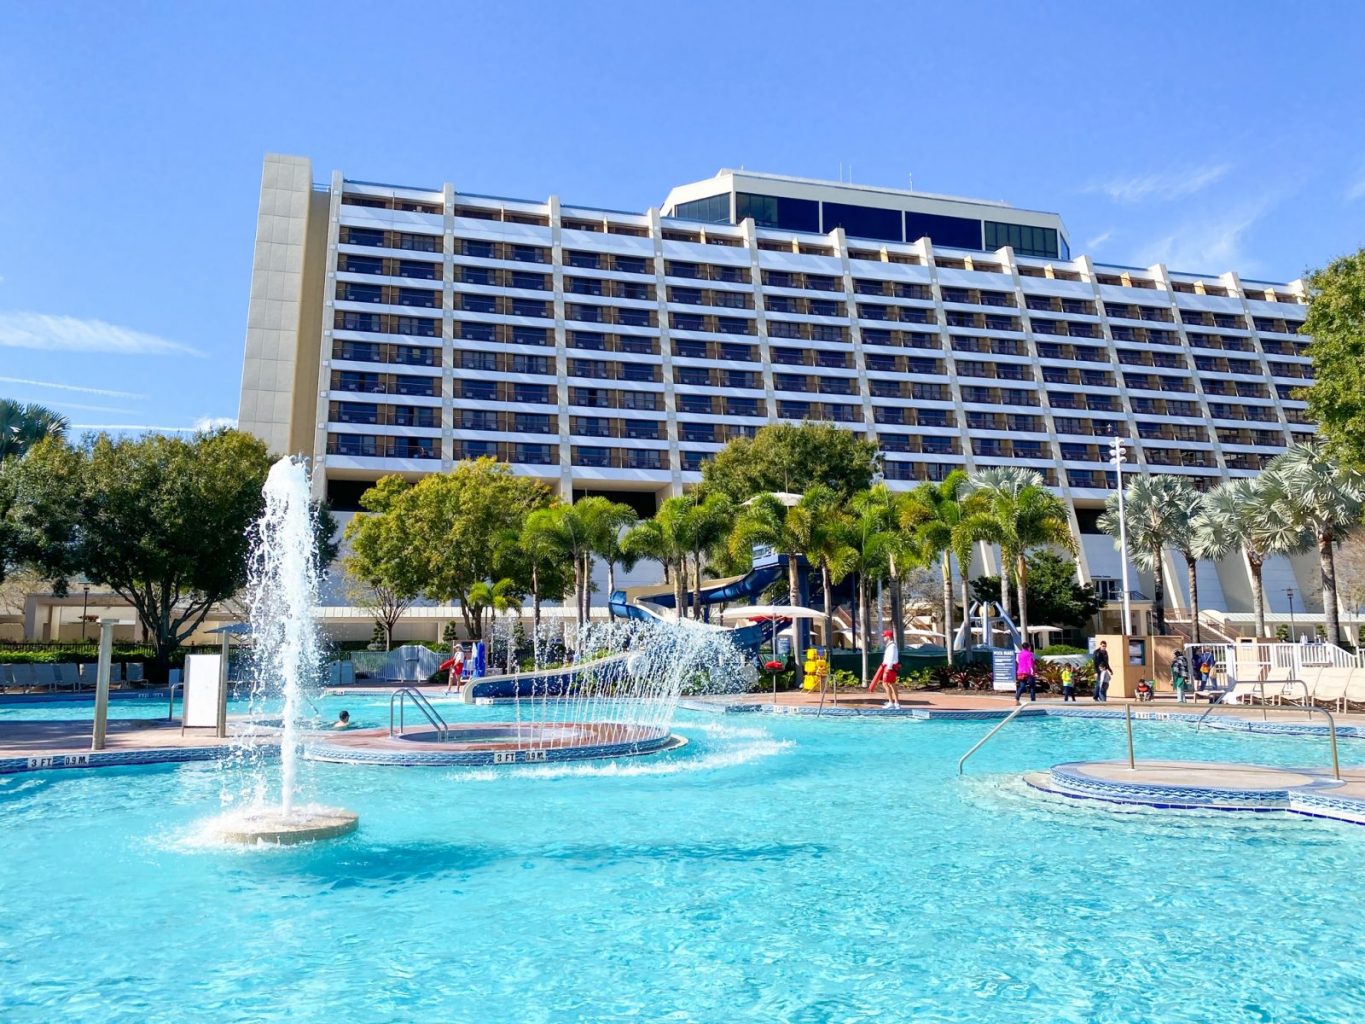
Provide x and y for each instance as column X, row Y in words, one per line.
column 1103, row 673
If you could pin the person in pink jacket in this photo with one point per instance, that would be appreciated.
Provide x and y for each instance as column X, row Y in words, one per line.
column 1023, row 672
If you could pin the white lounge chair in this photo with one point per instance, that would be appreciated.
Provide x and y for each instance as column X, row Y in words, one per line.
column 1355, row 689
column 90, row 674
column 132, row 671
column 1331, row 686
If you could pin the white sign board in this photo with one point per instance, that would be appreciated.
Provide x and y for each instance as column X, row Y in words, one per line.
column 203, row 678
column 1002, row 669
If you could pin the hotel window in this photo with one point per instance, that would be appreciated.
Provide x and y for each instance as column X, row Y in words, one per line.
column 778, row 212
column 419, row 243
column 863, row 221
column 360, row 264
column 418, row 271
column 1026, row 240
column 712, row 209
column 954, row 232
column 638, row 371
column 361, row 236
column 640, row 400
column 538, row 394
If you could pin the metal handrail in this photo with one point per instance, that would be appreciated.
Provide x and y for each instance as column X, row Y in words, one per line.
column 1260, row 685
column 982, row 742
column 1309, row 708
column 423, row 705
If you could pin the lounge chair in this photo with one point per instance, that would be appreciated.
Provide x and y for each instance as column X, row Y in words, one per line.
column 21, row 676
column 44, row 677
column 132, row 672
column 1355, row 689
column 1331, row 686
column 90, row 672
column 68, row 674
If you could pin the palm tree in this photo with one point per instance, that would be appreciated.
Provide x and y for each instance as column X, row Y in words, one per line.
column 707, row 524
column 1233, row 516
column 606, row 522
column 1018, row 513
column 821, row 523
column 936, row 515
column 487, row 597
column 1156, row 516
column 540, row 544
column 1185, row 507
column 1317, row 501
column 766, row 520
column 875, row 536
column 24, row 425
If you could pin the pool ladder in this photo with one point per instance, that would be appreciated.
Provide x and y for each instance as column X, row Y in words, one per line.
column 999, row 725
column 401, row 696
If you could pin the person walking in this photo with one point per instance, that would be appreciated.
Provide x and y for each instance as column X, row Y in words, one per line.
column 1023, row 673
column 888, row 671
column 1068, row 684
column 1180, row 673
column 1103, row 673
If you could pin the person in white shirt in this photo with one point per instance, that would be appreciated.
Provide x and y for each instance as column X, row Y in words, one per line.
column 888, row 670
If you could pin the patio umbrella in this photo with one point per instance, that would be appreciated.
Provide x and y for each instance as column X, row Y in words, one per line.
column 773, row 611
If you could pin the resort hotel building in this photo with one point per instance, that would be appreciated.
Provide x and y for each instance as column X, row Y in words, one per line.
column 397, row 329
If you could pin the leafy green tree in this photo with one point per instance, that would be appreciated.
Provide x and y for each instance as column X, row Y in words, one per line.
column 459, row 518
column 1019, row 513
column 486, row 597
column 161, row 521
column 385, row 560
column 938, row 516
column 1313, row 503
column 1336, row 322
column 1055, row 596
column 786, row 458
column 24, row 425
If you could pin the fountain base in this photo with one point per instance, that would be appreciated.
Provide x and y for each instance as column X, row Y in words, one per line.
column 477, row 745
column 271, row 826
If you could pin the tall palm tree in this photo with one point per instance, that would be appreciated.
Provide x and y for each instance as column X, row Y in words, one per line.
column 1019, row 513
column 766, row 520
column 540, row 542
column 1234, row 516
column 1317, row 500
column 24, row 425
column 935, row 516
column 1187, row 504
column 821, row 522
column 1156, row 515
column 663, row 539
column 607, row 520
column 706, row 525
column 875, row 535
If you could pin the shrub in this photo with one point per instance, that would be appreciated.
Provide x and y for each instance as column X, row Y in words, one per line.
column 963, row 677
column 1055, row 649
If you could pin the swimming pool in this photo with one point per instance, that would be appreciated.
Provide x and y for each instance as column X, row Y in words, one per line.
column 781, row 869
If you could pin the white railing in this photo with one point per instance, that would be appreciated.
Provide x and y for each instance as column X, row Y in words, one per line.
column 1254, row 661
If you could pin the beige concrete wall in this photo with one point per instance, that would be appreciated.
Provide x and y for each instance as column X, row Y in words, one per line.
column 275, row 315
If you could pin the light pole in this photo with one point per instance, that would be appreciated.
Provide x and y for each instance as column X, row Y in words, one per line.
column 1289, row 593
column 1118, row 455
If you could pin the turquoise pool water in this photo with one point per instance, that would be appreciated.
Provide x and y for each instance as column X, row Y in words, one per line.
column 772, row 870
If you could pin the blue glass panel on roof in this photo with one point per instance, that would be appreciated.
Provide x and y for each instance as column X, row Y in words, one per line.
column 863, row 221
column 954, row 232
column 778, row 212
column 712, row 209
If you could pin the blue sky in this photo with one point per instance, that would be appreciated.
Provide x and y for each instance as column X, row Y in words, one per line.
column 1209, row 136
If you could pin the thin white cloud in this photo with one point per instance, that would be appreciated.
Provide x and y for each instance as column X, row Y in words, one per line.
column 202, row 425
column 1354, row 191
column 207, row 423
column 49, row 333
column 126, row 427
column 1099, row 240
column 61, row 405
column 106, row 392
column 1162, row 186
column 1210, row 245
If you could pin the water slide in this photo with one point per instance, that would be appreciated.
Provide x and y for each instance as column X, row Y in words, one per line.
column 645, row 602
